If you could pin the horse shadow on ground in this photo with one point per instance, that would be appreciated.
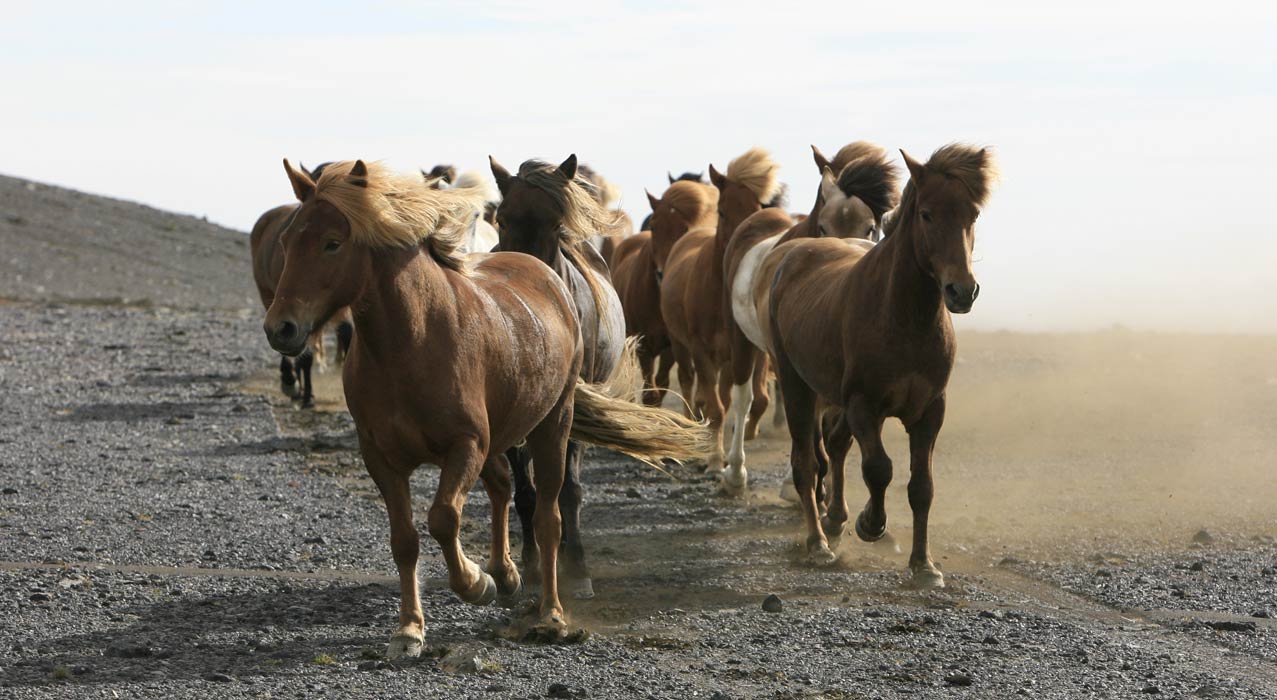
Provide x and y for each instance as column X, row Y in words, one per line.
column 273, row 631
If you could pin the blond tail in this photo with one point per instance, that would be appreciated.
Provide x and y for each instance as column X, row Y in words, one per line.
column 608, row 415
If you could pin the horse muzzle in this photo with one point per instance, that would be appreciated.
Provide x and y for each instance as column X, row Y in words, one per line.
column 960, row 297
column 287, row 337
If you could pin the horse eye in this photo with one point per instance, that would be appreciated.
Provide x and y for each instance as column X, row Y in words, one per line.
column 926, row 216
column 331, row 246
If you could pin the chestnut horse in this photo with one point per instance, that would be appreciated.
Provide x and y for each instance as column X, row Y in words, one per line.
column 551, row 214
column 620, row 226
column 456, row 359
column 268, row 264
column 638, row 268
column 866, row 329
column 850, row 204
column 692, row 293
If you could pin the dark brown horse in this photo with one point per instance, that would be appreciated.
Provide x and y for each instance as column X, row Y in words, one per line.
column 850, row 203
column 692, row 292
column 551, row 214
column 638, row 267
column 456, row 359
column 866, row 329
column 268, row 265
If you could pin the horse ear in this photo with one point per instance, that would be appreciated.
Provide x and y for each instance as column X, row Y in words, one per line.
column 302, row 167
column 670, row 175
column 652, row 200
column 500, row 173
column 303, row 186
column 358, row 174
column 916, row 169
column 568, row 167
column 828, row 185
column 821, row 161
column 716, row 177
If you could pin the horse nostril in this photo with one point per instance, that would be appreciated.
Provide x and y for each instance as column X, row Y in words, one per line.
column 286, row 330
column 951, row 291
column 975, row 293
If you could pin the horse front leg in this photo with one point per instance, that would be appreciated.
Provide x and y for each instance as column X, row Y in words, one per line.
column 287, row 382
column 405, row 546
column 875, row 467
column 922, row 442
column 460, row 469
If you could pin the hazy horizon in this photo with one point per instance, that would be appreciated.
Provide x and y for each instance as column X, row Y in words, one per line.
column 1129, row 134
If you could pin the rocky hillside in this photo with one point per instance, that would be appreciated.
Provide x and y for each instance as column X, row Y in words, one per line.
column 62, row 245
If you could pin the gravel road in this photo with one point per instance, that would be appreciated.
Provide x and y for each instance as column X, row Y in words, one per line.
column 171, row 527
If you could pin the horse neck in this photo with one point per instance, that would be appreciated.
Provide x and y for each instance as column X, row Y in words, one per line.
column 912, row 294
column 404, row 288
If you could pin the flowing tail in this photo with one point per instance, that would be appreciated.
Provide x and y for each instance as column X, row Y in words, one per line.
column 607, row 415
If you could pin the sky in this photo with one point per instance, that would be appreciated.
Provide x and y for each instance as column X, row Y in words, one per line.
column 1135, row 138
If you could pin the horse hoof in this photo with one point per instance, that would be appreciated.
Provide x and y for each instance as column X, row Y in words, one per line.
column 308, row 402
column 290, row 390
column 505, row 589
column 927, row 577
column 833, row 530
column 735, row 483
column 821, row 556
column 863, row 532
column 582, row 589
column 788, row 493
column 489, row 593
column 404, row 645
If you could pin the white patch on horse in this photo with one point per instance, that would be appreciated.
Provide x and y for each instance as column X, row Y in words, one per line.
column 743, row 308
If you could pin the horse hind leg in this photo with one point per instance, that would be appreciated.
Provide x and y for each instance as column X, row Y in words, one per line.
column 761, row 400
column 525, row 504
column 574, row 566
column 735, row 476
column 800, row 409
column 496, row 481
column 837, row 442
column 548, row 443
column 922, row 441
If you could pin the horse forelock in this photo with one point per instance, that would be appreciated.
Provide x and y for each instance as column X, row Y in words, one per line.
column 973, row 166
column 386, row 209
column 755, row 170
column 575, row 200
column 873, row 179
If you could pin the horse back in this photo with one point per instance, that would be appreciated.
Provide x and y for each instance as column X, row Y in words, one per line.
column 268, row 259
column 634, row 277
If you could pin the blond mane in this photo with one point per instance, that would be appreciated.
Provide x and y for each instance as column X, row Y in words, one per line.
column 394, row 210
column 973, row 166
column 756, row 170
column 696, row 202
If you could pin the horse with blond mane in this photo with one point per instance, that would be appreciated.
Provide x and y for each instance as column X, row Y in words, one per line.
column 692, row 292
column 866, row 329
column 638, row 268
column 857, row 189
column 550, row 213
column 456, row 359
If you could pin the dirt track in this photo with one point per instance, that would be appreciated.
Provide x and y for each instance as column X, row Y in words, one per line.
column 169, row 525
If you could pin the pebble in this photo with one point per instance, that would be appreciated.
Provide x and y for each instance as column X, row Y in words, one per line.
column 1203, row 536
column 773, row 604
column 959, row 678
column 218, row 677
column 1197, row 566
column 1232, row 625
column 1151, row 690
column 10, row 491
column 559, row 690
column 368, row 665
column 41, row 597
column 633, row 493
column 1263, row 614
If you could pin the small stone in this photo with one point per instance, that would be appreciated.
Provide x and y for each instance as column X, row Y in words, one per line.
column 990, row 639
column 773, row 604
column 41, row 597
column 218, row 677
column 210, row 555
column 239, row 408
column 10, row 491
column 1262, row 614
column 992, row 614
column 1232, row 625
column 719, row 695
column 959, row 678
column 558, row 690
column 1203, row 536
column 318, row 539
column 633, row 493
column 1151, row 690
column 369, row 665
column 1197, row 566
column 1009, row 561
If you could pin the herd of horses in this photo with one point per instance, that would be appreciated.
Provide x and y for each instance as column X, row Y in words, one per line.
column 496, row 333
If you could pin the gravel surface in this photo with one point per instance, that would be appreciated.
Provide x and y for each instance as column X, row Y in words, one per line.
column 170, row 526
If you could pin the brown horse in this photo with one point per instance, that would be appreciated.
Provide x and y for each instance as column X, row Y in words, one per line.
column 268, row 265
column 692, row 293
column 620, row 226
column 551, row 214
column 456, row 359
column 866, row 329
column 638, row 266
column 850, row 204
